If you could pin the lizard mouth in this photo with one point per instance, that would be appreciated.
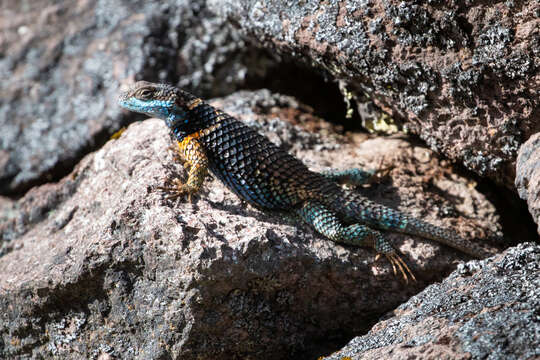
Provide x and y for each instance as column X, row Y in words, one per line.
column 128, row 104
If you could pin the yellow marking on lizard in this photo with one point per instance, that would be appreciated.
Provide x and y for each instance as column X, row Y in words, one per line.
column 194, row 104
column 119, row 133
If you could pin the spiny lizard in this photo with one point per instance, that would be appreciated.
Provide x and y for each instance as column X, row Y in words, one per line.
column 269, row 178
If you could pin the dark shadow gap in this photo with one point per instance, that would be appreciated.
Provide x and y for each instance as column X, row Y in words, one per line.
column 516, row 221
column 309, row 87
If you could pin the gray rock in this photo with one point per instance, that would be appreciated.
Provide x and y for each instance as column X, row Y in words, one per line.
column 483, row 310
column 463, row 76
column 100, row 264
column 528, row 175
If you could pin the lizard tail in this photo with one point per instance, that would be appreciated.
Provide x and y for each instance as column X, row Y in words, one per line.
column 443, row 236
column 358, row 209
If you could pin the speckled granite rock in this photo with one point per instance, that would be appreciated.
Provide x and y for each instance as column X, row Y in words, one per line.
column 483, row 310
column 61, row 63
column 100, row 264
column 528, row 175
column 461, row 74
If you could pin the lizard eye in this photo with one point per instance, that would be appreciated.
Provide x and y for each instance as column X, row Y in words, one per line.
column 145, row 94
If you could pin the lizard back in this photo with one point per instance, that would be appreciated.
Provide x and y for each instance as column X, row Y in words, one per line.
column 249, row 164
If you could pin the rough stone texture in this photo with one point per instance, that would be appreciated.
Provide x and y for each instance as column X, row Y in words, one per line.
column 483, row 310
column 462, row 74
column 100, row 264
column 61, row 63
column 528, row 175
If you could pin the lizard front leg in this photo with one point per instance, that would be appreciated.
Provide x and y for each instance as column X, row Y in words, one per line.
column 195, row 162
column 328, row 224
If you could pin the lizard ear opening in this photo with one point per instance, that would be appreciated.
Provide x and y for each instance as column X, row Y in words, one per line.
column 180, row 102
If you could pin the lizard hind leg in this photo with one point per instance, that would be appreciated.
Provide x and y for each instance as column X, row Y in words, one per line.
column 328, row 224
column 357, row 176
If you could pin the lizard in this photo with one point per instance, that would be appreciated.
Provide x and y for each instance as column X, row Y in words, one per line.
column 270, row 179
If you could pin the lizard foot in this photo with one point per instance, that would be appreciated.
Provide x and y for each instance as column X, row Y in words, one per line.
column 398, row 263
column 381, row 173
column 177, row 190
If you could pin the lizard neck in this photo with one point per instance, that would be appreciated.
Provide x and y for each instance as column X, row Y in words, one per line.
column 196, row 117
column 177, row 121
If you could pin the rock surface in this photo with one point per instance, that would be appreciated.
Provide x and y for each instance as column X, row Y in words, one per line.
column 100, row 264
column 463, row 75
column 528, row 176
column 483, row 310
column 61, row 63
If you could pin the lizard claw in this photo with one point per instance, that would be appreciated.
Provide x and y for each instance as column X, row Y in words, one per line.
column 177, row 190
column 398, row 263
column 381, row 172
column 385, row 171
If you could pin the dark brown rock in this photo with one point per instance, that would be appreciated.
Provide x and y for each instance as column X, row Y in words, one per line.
column 528, row 176
column 101, row 264
column 462, row 75
column 483, row 310
column 61, row 63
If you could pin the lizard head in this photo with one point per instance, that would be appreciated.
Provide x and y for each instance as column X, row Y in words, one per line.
column 157, row 100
